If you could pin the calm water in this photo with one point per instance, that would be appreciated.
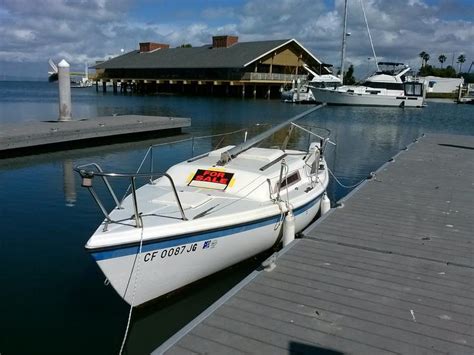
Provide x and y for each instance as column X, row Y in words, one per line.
column 52, row 297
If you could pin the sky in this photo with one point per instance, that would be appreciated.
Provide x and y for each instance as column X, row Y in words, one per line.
column 83, row 31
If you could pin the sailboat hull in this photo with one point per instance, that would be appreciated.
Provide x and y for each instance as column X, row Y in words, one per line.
column 165, row 265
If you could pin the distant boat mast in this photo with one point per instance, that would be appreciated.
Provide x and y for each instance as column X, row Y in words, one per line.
column 344, row 34
column 370, row 37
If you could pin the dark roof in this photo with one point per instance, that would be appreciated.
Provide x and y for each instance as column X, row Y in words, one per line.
column 235, row 56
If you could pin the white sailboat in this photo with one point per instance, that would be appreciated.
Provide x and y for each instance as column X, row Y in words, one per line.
column 205, row 214
column 387, row 87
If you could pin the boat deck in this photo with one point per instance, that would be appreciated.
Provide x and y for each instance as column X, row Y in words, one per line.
column 31, row 137
column 392, row 271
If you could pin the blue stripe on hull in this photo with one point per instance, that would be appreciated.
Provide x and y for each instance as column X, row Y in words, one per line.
column 194, row 238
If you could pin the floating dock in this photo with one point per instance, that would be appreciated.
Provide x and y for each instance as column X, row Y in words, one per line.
column 390, row 271
column 32, row 137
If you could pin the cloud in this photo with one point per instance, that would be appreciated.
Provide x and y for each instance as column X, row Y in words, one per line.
column 87, row 30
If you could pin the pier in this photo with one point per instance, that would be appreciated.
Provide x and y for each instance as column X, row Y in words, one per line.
column 390, row 270
column 225, row 67
column 33, row 137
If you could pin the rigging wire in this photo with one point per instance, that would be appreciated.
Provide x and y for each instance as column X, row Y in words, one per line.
column 368, row 31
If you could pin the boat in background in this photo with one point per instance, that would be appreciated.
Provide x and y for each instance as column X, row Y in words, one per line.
column 466, row 94
column 78, row 80
column 300, row 90
column 206, row 213
column 387, row 87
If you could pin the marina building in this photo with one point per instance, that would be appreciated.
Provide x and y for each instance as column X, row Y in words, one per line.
column 225, row 67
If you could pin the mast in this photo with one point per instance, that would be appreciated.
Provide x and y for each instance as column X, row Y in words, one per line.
column 344, row 33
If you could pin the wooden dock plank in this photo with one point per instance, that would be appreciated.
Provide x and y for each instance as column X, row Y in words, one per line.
column 181, row 351
column 282, row 329
column 354, row 294
column 392, row 271
column 370, row 276
column 325, row 308
column 379, row 245
column 340, row 262
column 204, row 345
column 375, row 332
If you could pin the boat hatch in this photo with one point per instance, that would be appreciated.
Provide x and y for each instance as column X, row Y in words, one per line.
column 188, row 199
column 262, row 154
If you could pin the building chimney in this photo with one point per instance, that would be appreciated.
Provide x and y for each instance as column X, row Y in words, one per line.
column 224, row 41
column 151, row 46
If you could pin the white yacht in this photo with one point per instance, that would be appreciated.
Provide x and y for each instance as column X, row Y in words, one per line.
column 387, row 87
column 206, row 213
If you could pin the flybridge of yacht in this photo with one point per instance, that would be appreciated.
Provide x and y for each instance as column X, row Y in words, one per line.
column 391, row 63
column 391, row 68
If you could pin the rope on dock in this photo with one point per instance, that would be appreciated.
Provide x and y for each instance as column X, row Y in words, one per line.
column 341, row 184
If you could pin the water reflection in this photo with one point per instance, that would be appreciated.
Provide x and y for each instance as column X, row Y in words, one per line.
column 69, row 183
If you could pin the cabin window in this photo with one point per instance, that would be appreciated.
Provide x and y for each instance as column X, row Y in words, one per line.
column 388, row 86
column 413, row 89
column 290, row 179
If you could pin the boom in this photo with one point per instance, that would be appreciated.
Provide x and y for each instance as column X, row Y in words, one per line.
column 233, row 152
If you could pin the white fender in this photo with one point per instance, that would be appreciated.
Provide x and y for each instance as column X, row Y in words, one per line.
column 288, row 228
column 325, row 204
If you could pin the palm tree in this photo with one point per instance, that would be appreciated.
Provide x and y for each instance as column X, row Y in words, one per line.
column 422, row 56
column 461, row 59
column 425, row 57
column 442, row 58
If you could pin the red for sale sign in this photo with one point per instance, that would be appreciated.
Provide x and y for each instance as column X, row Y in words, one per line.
column 211, row 179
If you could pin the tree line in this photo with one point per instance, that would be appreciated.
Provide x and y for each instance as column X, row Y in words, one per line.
column 449, row 71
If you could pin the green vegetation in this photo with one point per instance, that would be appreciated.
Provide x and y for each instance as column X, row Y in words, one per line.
column 461, row 59
column 425, row 57
column 442, row 58
column 349, row 76
column 448, row 72
column 185, row 45
column 468, row 77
